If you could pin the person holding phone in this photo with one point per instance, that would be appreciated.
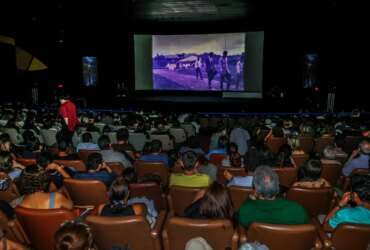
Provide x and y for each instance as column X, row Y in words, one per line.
column 359, row 158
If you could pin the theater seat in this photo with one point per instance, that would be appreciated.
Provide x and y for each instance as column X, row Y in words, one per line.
column 116, row 167
column 40, row 225
column 220, row 234
column 137, row 140
column 239, row 195
column 178, row 134
column 83, row 154
column 322, row 142
column 306, row 143
column 287, row 175
column 331, row 172
column 281, row 237
column 131, row 231
column 26, row 162
column 150, row 190
column 86, row 193
column 274, row 143
column 234, row 171
column 216, row 159
column 76, row 164
column 315, row 200
column 49, row 136
column 143, row 168
column 179, row 198
column 300, row 159
column 167, row 143
column 13, row 230
column 349, row 236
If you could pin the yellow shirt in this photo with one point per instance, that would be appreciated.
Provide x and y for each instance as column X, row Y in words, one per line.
column 195, row 180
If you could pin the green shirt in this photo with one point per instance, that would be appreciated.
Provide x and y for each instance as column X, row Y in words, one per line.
column 195, row 180
column 357, row 215
column 273, row 212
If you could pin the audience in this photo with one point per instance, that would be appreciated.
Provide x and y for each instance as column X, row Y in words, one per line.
column 109, row 155
column 7, row 165
column 192, row 144
column 63, row 151
column 221, row 148
column 156, row 154
column 87, row 143
column 309, row 175
column 122, row 141
column 359, row 158
column 240, row 137
column 233, row 159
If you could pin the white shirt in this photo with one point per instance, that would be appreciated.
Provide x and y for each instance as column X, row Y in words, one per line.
column 240, row 137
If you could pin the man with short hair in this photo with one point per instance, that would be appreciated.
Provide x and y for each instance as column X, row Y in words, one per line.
column 156, row 154
column 109, row 155
column 240, row 137
column 87, row 143
column 97, row 169
column 122, row 143
column 68, row 112
column 266, row 207
column 359, row 158
column 190, row 177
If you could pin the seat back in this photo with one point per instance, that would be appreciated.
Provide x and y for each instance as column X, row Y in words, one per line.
column 15, row 137
column 137, row 140
column 83, row 154
column 112, row 136
column 315, row 200
column 116, row 167
column 306, row 143
column 322, row 142
column 189, row 129
column 351, row 236
column 49, row 137
column 292, row 237
column 95, row 137
column 351, row 143
column 150, row 190
column 79, row 165
column 40, row 225
column 300, row 159
column 234, row 171
column 239, row 195
column 178, row 134
column 167, row 143
column 86, row 192
column 26, row 162
column 143, row 168
column 131, row 231
column 216, row 159
column 100, row 126
column 218, row 233
column 287, row 175
column 331, row 173
column 274, row 143
column 179, row 198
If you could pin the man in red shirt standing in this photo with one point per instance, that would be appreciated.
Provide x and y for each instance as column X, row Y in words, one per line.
column 68, row 112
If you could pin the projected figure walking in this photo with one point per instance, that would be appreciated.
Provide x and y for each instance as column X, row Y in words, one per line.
column 211, row 69
column 225, row 72
column 198, row 68
column 239, row 71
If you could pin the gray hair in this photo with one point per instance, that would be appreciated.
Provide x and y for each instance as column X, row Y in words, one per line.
column 266, row 182
column 253, row 246
column 329, row 152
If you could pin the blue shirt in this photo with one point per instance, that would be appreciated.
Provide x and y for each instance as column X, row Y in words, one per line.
column 356, row 215
column 156, row 158
column 87, row 146
column 241, row 181
column 105, row 177
column 361, row 161
column 219, row 151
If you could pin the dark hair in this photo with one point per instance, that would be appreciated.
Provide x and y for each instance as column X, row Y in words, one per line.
column 6, row 162
column 360, row 184
column 310, row 171
column 62, row 145
column 33, row 179
column 189, row 160
column 130, row 175
column 147, row 148
column 156, row 146
column 122, row 134
column 283, row 156
column 277, row 132
column 118, row 195
column 44, row 159
column 232, row 145
column 93, row 161
column 193, row 142
column 30, row 141
column 73, row 235
column 104, row 142
column 216, row 203
column 86, row 137
column 7, row 210
column 107, row 129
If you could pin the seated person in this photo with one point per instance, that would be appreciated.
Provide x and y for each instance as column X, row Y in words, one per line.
column 240, row 181
column 63, row 151
column 156, row 154
column 7, row 166
column 294, row 143
column 309, row 175
column 221, row 149
column 265, row 207
column 8, row 187
column 192, row 144
column 221, row 131
column 284, row 157
column 97, row 169
column 32, row 146
column 190, row 177
column 233, row 159
column 74, row 235
column 34, row 185
column 6, row 244
column 122, row 143
column 354, row 206
column 118, row 205
column 211, row 203
column 87, row 143
column 275, row 132
column 359, row 158
column 329, row 155
column 109, row 155
column 205, row 167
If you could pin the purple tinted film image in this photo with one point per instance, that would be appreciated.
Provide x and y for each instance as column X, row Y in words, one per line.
column 207, row 62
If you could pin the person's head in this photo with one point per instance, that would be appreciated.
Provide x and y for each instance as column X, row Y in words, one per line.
column 236, row 160
column 44, row 159
column 189, row 160
column 211, row 54
column 74, row 235
column 311, row 170
column 224, row 54
column 86, row 137
column 107, row 129
column 129, row 175
column 329, row 152
column 232, row 148
column 122, row 135
column 284, row 154
column 6, row 210
column 30, row 140
column 147, row 149
column 33, row 179
column 63, row 97
column 62, row 145
column 6, row 162
column 94, row 161
column 266, row 182
column 118, row 191
column 156, row 146
column 364, row 146
column 6, row 144
column 104, row 142
column 216, row 203
column 360, row 184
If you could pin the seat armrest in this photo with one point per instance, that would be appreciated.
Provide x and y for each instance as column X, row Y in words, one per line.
column 235, row 240
column 242, row 234
column 156, row 231
column 322, row 236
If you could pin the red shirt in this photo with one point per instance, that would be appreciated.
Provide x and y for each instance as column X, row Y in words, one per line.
column 68, row 110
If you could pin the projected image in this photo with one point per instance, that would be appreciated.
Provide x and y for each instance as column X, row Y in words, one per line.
column 207, row 62
column 310, row 71
column 90, row 71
